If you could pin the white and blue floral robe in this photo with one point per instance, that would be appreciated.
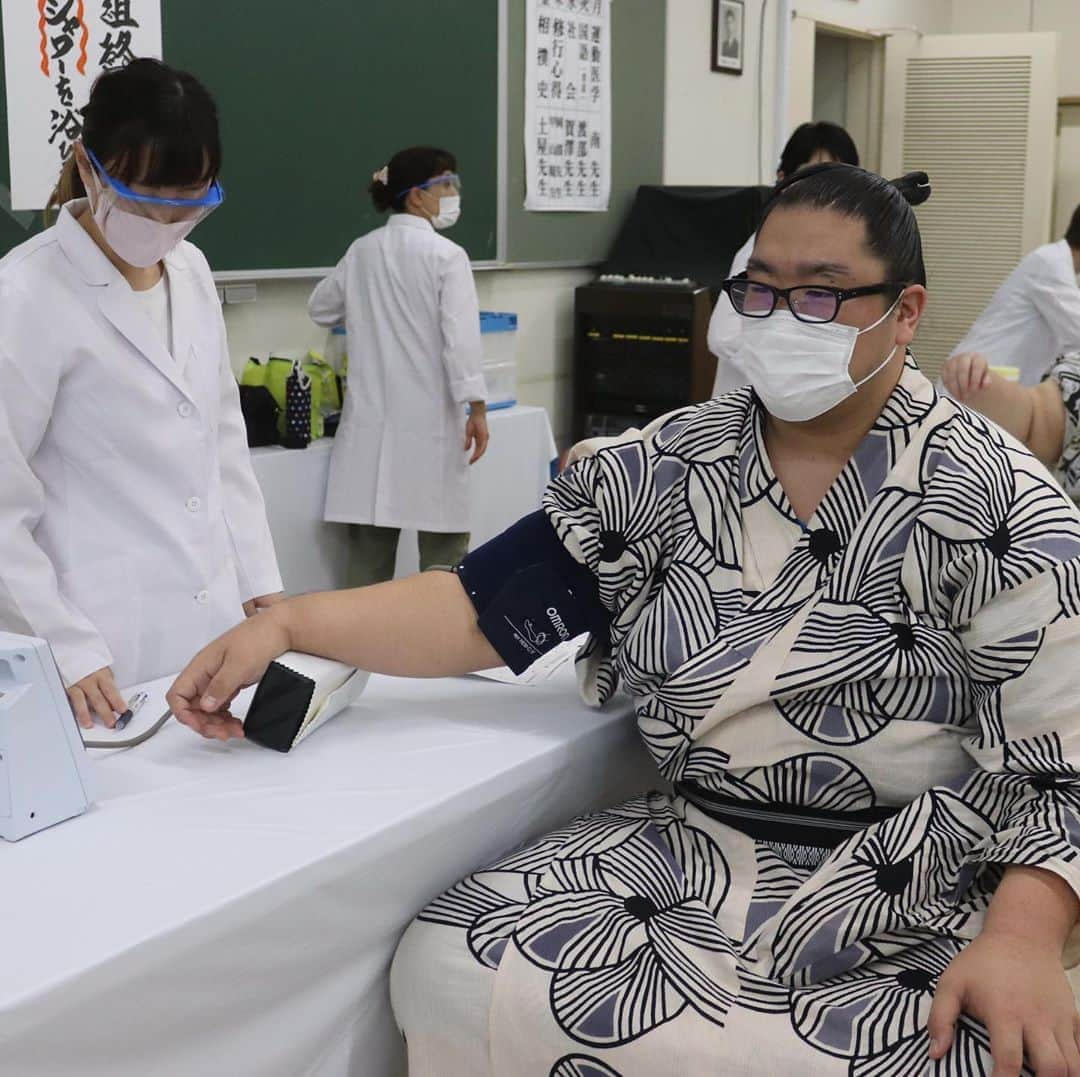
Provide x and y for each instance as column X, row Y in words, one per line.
column 916, row 645
column 1066, row 372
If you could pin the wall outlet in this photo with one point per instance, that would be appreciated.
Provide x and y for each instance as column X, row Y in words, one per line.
column 241, row 293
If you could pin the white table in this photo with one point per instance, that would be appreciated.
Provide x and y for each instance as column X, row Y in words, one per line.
column 226, row 911
column 506, row 485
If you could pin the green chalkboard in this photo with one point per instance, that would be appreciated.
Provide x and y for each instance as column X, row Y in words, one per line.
column 637, row 153
column 313, row 99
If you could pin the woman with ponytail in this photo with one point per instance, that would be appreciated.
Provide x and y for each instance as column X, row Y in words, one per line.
column 131, row 526
column 406, row 295
column 848, row 613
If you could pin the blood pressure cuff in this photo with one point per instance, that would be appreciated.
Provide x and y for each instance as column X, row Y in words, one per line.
column 530, row 594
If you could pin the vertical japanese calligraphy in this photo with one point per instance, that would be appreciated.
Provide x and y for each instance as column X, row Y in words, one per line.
column 64, row 37
column 53, row 51
column 568, row 105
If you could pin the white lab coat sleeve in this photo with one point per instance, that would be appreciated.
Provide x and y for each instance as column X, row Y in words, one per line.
column 245, row 511
column 31, row 602
column 725, row 326
column 327, row 303
column 1058, row 302
column 459, row 315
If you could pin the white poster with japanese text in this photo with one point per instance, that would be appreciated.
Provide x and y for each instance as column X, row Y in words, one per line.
column 53, row 51
column 568, row 105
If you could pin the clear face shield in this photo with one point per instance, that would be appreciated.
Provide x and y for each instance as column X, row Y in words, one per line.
column 143, row 228
column 447, row 188
column 451, row 179
column 117, row 195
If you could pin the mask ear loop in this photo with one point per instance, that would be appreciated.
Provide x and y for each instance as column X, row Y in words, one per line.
column 877, row 370
column 438, row 204
column 893, row 307
column 888, row 358
column 428, row 215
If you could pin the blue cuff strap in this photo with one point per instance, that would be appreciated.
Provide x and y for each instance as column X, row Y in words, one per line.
column 530, row 594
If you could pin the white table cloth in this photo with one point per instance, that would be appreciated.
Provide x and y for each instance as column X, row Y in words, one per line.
column 506, row 485
column 226, row 911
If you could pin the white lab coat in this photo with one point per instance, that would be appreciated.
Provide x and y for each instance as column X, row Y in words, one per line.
column 1033, row 317
column 408, row 300
column 131, row 524
column 725, row 326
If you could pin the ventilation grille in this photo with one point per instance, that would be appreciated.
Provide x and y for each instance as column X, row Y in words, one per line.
column 966, row 126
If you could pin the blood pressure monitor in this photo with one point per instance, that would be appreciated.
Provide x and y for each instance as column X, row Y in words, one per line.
column 45, row 774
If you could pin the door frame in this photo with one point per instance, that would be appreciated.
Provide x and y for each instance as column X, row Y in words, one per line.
column 800, row 105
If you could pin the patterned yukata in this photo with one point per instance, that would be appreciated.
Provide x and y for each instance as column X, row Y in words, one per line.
column 1066, row 372
column 909, row 659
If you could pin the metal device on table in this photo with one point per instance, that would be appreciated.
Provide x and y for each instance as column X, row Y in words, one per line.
column 640, row 329
column 45, row 774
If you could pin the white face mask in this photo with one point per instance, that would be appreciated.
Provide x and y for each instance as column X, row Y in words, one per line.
column 449, row 212
column 139, row 241
column 800, row 370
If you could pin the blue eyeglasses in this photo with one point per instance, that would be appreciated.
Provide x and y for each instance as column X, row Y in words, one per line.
column 213, row 198
column 450, row 177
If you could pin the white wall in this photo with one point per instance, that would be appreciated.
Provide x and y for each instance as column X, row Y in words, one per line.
column 1011, row 16
column 710, row 130
column 276, row 322
column 542, row 299
column 710, row 122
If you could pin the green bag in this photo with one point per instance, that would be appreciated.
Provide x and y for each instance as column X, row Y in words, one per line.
column 254, row 373
column 273, row 374
column 322, row 374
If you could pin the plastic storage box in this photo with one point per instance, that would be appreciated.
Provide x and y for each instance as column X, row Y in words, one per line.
column 498, row 333
column 337, row 350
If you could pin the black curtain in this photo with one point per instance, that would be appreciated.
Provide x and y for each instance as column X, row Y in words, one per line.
column 686, row 232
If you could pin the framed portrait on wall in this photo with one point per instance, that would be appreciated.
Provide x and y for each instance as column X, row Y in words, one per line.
column 728, row 35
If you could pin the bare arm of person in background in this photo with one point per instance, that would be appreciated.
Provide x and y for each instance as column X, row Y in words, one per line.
column 1033, row 414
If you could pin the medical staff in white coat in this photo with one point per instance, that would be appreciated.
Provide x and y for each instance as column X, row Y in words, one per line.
column 131, row 526
column 407, row 298
column 810, row 144
column 1035, row 315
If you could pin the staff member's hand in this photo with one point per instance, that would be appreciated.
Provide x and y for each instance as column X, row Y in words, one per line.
column 96, row 695
column 476, row 430
column 965, row 375
column 200, row 696
column 263, row 602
